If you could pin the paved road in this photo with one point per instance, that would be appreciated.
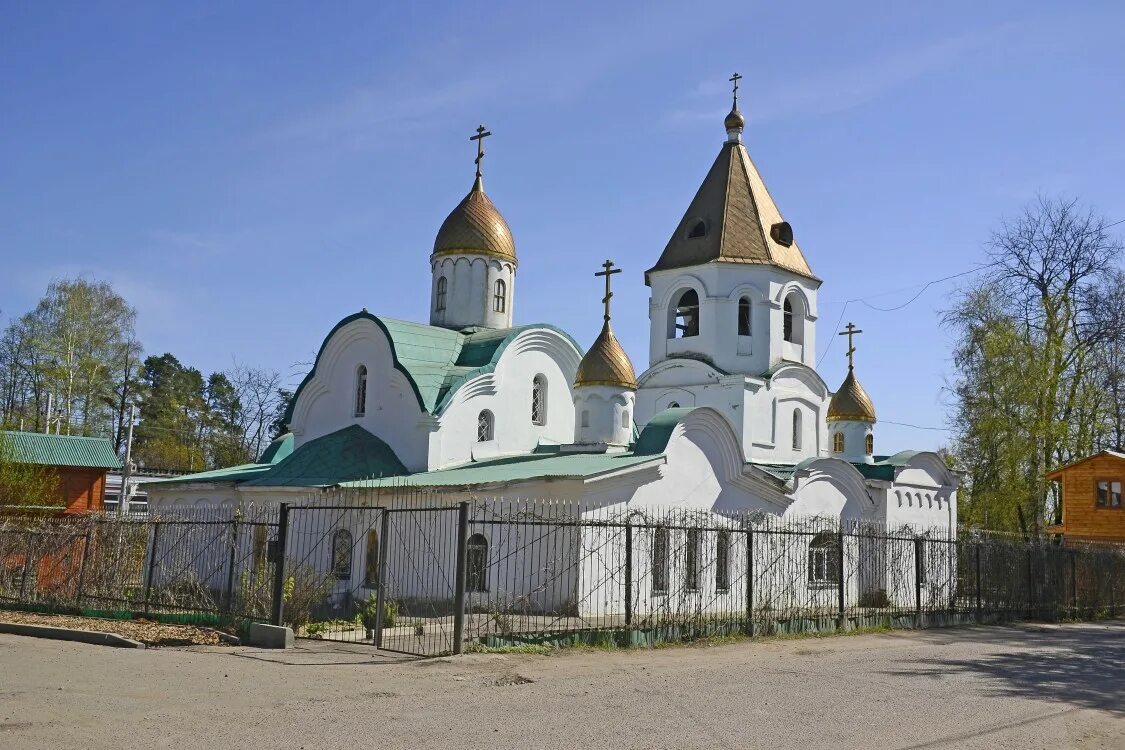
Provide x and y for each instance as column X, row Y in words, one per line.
column 1026, row 687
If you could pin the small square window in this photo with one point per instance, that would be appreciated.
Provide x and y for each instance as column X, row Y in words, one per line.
column 1109, row 493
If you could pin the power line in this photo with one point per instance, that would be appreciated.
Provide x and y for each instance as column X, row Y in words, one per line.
column 916, row 426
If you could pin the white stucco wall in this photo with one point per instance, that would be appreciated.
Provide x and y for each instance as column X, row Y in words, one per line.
column 603, row 414
column 470, row 289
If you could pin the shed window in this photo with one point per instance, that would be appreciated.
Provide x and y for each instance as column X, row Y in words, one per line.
column 476, row 578
column 660, row 560
column 1109, row 493
column 485, row 426
column 439, row 298
column 342, row 554
column 824, row 558
column 687, row 315
column 744, row 317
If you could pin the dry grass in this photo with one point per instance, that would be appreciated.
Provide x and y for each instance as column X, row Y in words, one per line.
column 146, row 631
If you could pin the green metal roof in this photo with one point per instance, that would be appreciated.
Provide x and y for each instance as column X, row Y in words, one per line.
column 782, row 472
column 436, row 361
column 549, row 465
column 240, row 473
column 654, row 437
column 280, row 448
column 61, row 450
column 344, row 455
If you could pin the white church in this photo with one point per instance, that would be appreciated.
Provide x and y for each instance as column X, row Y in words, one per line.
column 730, row 416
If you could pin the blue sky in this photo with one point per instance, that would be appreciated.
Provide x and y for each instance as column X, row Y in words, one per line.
column 248, row 173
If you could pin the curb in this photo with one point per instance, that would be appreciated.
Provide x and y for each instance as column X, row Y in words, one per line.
column 69, row 634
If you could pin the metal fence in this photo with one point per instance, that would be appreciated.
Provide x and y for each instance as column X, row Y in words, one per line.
column 416, row 573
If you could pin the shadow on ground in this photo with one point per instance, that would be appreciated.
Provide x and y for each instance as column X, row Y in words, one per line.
column 1081, row 665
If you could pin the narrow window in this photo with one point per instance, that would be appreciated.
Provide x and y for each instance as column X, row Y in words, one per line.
column 722, row 561
column 361, row 391
column 787, row 320
column 342, row 554
column 484, row 426
column 371, row 560
column 477, row 564
column 585, row 418
column 687, row 315
column 1109, row 493
column 744, row 316
column 660, row 561
column 439, row 298
column 869, row 444
column 838, row 442
column 539, row 400
column 500, row 298
column 923, row 563
column 691, row 560
column 824, row 558
column 797, row 424
column 625, row 424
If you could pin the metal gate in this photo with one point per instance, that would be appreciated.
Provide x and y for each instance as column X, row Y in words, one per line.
column 391, row 578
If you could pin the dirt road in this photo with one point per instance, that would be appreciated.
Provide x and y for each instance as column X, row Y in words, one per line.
column 1022, row 687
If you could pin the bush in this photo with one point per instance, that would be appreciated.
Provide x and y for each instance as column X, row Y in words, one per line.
column 369, row 613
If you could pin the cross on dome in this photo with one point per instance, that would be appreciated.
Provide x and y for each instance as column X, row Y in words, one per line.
column 479, row 138
column 850, row 331
column 608, row 272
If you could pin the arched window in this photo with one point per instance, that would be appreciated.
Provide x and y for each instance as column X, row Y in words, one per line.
column 824, row 558
column 476, row 570
column 361, row 390
column 673, row 404
column 439, row 297
column 744, row 317
column 722, row 561
column 539, row 400
column 625, row 423
column 371, row 560
column 787, row 320
column 485, row 426
column 869, row 444
column 797, row 424
column 500, row 297
column 660, row 560
column 838, row 442
column 342, row 554
column 687, row 315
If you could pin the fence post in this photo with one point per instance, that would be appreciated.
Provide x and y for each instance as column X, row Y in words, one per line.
column 978, row 577
column 279, row 562
column 1030, row 586
column 228, row 600
column 152, row 563
column 840, row 590
column 462, row 564
column 82, row 565
column 26, row 567
column 1074, row 583
column 381, row 590
column 917, row 582
column 749, row 580
column 628, row 572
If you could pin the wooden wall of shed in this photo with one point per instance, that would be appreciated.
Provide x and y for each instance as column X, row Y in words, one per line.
column 1082, row 518
column 83, row 490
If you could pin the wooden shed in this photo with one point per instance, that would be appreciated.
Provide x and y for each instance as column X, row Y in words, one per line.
column 81, row 464
column 1090, row 490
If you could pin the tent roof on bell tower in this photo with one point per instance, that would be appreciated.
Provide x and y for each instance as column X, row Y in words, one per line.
column 732, row 218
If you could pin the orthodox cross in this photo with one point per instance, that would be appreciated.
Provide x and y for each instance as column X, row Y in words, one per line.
column 850, row 333
column 735, row 79
column 479, row 138
column 608, row 272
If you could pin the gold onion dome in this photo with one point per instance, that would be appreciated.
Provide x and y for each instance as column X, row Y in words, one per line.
column 475, row 227
column 606, row 363
column 734, row 120
column 851, row 403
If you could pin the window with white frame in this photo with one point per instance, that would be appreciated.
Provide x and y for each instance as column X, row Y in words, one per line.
column 744, row 321
column 500, row 296
column 869, row 444
column 824, row 558
column 485, row 426
column 838, row 442
column 361, row 390
column 539, row 400
column 439, row 297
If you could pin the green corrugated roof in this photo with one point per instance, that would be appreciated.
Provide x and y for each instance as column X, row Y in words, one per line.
column 654, row 437
column 280, row 448
column 239, row 473
column 783, row 472
column 344, row 455
column 436, row 361
column 61, row 450
column 550, row 465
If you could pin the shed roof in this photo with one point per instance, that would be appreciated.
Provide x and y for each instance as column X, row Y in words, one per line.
column 61, row 450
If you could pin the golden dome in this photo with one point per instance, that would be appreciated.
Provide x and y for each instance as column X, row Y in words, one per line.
column 476, row 227
column 734, row 120
column 851, row 402
column 606, row 363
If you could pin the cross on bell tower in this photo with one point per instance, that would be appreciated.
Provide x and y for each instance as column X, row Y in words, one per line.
column 850, row 331
column 608, row 272
column 735, row 79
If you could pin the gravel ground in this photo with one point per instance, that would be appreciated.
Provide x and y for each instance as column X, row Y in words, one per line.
column 992, row 688
column 146, row 631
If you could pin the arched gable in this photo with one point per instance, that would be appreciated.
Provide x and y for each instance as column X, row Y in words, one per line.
column 680, row 284
column 790, row 287
column 796, row 376
column 679, row 371
column 830, row 487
